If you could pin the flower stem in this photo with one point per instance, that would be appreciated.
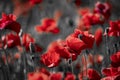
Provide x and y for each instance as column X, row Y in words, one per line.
column 24, row 62
column 7, row 65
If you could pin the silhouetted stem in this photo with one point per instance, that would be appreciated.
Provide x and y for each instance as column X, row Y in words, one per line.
column 70, row 63
column 32, row 50
column 116, row 48
column 81, row 65
column 24, row 63
column 24, row 56
column 8, row 70
column 2, row 66
column 85, row 55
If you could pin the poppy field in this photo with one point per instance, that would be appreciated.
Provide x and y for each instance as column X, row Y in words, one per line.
column 59, row 40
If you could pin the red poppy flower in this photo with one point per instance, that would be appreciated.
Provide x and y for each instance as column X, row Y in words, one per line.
column 93, row 75
column 111, row 78
column 27, row 38
column 35, row 1
column 83, row 11
column 48, row 25
column 92, row 19
column 75, row 44
column 50, row 59
column 103, row 8
column 69, row 76
column 11, row 40
column 77, row 3
column 60, row 47
column 88, row 39
column 117, row 77
column 80, row 40
column 37, row 48
column 43, row 70
column 74, row 56
column 37, row 76
column 98, row 36
column 23, row 7
column 111, row 71
column 115, row 58
column 56, row 76
column 114, row 29
column 9, row 22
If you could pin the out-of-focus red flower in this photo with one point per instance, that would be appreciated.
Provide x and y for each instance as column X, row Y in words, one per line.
column 27, row 39
column 23, row 7
column 111, row 78
column 90, row 59
column 90, row 19
column 69, row 76
column 90, row 74
column 115, row 59
column 57, row 15
column 117, row 77
column 78, row 66
column 37, row 76
column 17, row 55
column 56, row 76
column 50, row 59
column 35, row 1
column 75, row 44
column 9, row 22
column 6, row 59
column 93, row 75
column 88, row 39
column 83, row 11
column 11, row 40
column 77, row 2
column 98, row 58
column 82, row 75
column 1, row 44
column 111, row 73
column 114, row 29
column 80, row 40
column 37, row 48
column 103, row 8
column 43, row 70
column 98, row 36
column 48, row 25
column 74, row 56
column 61, row 48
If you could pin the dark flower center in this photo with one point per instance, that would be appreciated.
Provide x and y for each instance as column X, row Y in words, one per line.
column 80, row 36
